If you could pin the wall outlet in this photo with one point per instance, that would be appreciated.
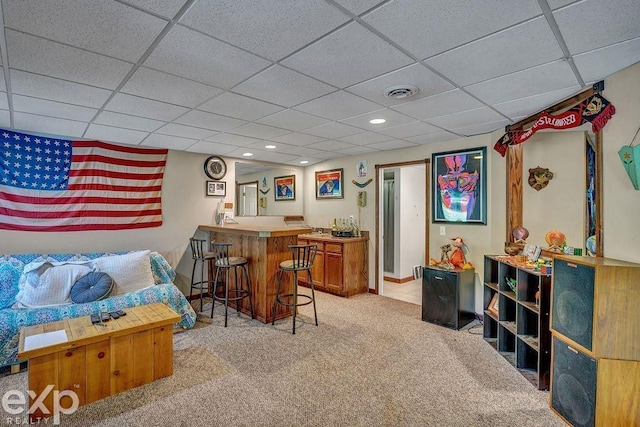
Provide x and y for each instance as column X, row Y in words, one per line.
column 442, row 230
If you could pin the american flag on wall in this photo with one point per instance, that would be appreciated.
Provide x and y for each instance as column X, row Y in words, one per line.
column 49, row 184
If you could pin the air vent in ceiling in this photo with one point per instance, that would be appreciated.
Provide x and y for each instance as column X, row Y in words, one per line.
column 402, row 91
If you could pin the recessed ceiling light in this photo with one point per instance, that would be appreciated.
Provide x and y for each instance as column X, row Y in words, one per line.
column 304, row 162
column 377, row 121
column 270, row 146
column 247, row 154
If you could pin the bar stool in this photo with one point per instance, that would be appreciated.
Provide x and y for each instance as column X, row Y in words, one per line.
column 226, row 263
column 199, row 255
column 302, row 257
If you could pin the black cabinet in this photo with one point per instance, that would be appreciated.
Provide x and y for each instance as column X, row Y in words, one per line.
column 448, row 296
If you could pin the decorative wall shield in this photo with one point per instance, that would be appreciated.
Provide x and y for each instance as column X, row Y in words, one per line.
column 628, row 156
column 539, row 177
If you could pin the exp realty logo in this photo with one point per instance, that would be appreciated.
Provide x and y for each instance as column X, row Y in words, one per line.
column 14, row 404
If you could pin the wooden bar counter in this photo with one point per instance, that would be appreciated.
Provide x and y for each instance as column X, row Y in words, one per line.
column 265, row 247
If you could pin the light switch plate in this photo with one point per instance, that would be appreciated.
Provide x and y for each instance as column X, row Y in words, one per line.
column 442, row 230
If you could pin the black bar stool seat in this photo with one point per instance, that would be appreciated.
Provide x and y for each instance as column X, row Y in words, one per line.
column 199, row 255
column 224, row 262
column 302, row 257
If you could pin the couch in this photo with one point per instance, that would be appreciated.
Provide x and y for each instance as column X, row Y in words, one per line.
column 12, row 319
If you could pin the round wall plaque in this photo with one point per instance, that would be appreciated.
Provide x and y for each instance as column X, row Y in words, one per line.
column 215, row 167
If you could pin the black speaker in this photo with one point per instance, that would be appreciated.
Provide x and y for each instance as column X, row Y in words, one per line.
column 573, row 388
column 572, row 304
column 448, row 297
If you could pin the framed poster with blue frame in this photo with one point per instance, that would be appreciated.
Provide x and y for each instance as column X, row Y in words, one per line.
column 459, row 182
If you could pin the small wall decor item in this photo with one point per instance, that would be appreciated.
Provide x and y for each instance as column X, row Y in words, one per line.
column 215, row 167
column 216, row 188
column 539, row 177
column 265, row 191
column 361, row 169
column 627, row 156
column 285, row 187
column 361, row 185
column 520, row 234
column 329, row 184
column 459, row 186
column 555, row 240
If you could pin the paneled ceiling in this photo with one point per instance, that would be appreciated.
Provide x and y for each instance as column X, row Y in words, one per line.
column 228, row 77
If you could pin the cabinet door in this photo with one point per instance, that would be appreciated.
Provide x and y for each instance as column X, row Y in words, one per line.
column 333, row 272
column 317, row 272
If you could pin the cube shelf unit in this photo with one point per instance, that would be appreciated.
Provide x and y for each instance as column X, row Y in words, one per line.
column 520, row 330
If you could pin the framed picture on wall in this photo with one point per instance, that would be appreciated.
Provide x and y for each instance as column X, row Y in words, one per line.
column 216, row 188
column 285, row 187
column 459, row 186
column 329, row 184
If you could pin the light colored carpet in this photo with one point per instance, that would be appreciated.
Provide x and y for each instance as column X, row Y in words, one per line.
column 371, row 362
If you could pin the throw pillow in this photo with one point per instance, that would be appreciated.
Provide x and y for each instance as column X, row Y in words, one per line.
column 92, row 287
column 131, row 271
column 45, row 283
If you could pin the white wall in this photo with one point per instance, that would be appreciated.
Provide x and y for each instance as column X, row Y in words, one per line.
column 412, row 219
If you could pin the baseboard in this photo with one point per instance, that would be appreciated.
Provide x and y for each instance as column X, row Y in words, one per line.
column 394, row 280
column 197, row 296
column 373, row 291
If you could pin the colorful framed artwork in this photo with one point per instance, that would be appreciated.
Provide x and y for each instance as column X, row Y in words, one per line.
column 459, row 186
column 216, row 188
column 285, row 187
column 329, row 184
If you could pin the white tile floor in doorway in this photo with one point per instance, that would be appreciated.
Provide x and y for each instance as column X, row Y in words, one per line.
column 408, row 291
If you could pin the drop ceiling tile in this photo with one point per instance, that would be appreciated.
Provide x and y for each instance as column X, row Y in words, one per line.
column 114, row 134
column 57, row 90
column 203, row 54
column 533, row 104
column 437, row 105
column 358, row 6
column 348, row 56
column 601, row 63
column 333, row 130
column 4, row 101
column 108, row 28
column 185, row 131
column 129, row 104
column 555, row 4
column 309, row 161
column 278, row 157
column 238, row 106
column 544, row 78
column 411, row 23
column 408, row 129
column 275, row 28
column 160, row 86
column 365, row 138
column 283, row 87
column 305, row 151
column 126, row 121
column 211, row 148
column 3, row 86
column 40, row 56
column 433, row 137
column 338, row 105
column 261, row 143
column 230, row 139
column 257, row 154
column 466, row 118
column 209, row 121
column 393, row 119
column 166, row 8
column 259, row 131
column 292, row 120
column 592, row 24
column 5, row 119
column 394, row 144
column 50, row 125
column 357, row 150
column 493, row 56
column 416, row 75
column 51, row 108
column 297, row 138
column 483, row 128
column 170, row 142
column 331, row 145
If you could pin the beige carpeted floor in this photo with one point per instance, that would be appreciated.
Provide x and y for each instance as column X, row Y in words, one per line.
column 371, row 362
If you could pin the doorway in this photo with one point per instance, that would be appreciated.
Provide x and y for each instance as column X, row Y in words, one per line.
column 402, row 222
column 247, row 198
